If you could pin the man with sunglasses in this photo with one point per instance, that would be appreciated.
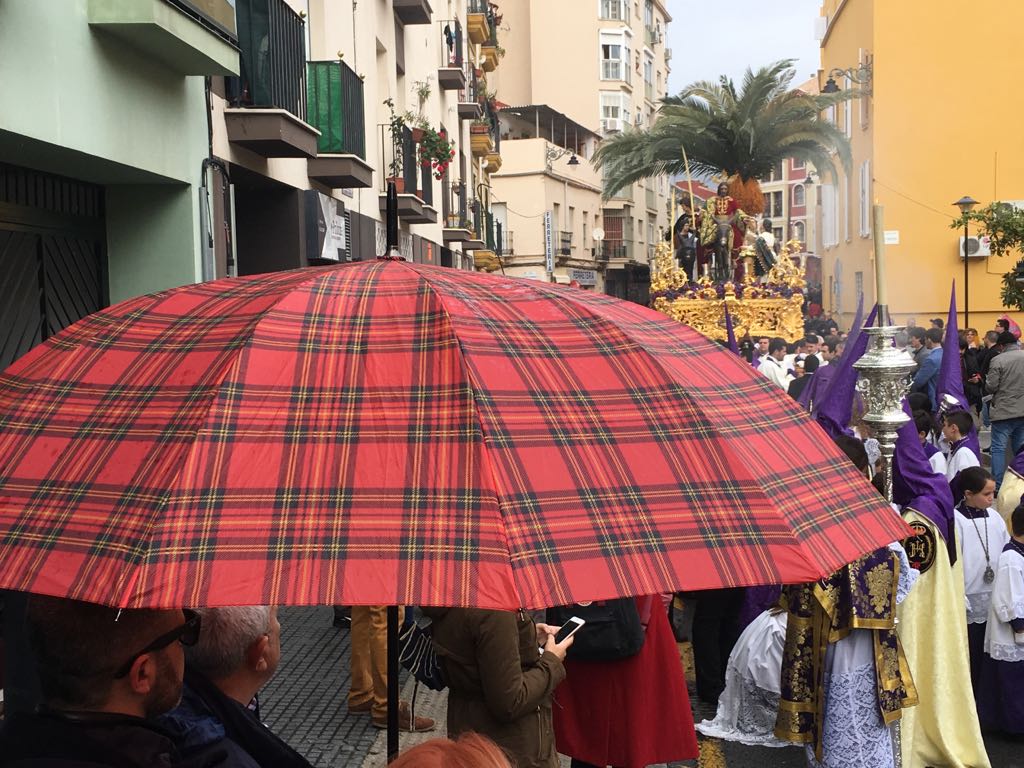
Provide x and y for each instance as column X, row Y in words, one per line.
column 104, row 675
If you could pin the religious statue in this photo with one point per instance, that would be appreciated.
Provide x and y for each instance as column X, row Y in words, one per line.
column 722, row 231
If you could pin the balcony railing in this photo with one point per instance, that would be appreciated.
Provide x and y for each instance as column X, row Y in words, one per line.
column 565, row 243
column 454, row 207
column 336, row 108
column 616, row 249
column 272, row 57
column 452, row 55
column 506, row 240
column 469, row 94
column 399, row 159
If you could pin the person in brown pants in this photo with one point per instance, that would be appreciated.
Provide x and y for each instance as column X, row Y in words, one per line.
column 369, row 670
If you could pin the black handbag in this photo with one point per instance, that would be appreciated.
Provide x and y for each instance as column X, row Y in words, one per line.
column 416, row 653
column 613, row 629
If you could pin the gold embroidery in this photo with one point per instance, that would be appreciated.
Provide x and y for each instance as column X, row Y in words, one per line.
column 879, row 581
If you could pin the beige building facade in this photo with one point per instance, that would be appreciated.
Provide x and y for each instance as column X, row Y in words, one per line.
column 336, row 99
column 575, row 72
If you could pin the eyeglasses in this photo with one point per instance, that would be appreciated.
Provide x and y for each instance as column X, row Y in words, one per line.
column 186, row 634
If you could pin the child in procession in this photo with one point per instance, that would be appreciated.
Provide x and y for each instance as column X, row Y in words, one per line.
column 1001, row 705
column 956, row 426
column 925, row 429
column 982, row 534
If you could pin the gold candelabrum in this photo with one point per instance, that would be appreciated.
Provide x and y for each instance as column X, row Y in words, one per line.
column 768, row 306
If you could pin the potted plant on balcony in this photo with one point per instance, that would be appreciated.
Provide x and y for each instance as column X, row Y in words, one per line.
column 437, row 150
column 396, row 126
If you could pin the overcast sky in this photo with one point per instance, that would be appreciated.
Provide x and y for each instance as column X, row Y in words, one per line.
column 709, row 39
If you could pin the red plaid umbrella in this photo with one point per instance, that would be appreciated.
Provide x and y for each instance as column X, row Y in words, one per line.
column 391, row 433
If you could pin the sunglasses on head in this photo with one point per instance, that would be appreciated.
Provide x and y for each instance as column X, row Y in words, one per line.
column 186, row 634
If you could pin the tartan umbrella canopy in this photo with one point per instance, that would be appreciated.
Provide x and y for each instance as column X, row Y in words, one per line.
column 391, row 433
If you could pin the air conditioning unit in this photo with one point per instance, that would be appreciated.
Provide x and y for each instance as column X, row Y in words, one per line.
column 668, row 54
column 977, row 247
column 611, row 125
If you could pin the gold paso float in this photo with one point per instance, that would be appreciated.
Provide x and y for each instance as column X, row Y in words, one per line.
column 771, row 307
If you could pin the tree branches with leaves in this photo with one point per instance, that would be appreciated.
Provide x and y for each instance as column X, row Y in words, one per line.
column 1004, row 226
column 737, row 133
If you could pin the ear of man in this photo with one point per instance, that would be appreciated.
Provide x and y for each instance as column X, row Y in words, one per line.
column 257, row 656
column 142, row 677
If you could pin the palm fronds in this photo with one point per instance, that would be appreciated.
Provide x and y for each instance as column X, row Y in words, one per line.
column 725, row 131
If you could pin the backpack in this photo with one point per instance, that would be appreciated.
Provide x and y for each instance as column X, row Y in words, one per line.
column 614, row 629
column 417, row 654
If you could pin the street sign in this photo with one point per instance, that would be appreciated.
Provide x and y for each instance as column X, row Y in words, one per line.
column 549, row 244
column 892, row 237
column 583, row 276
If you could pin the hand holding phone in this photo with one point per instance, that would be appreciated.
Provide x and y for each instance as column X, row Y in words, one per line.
column 558, row 643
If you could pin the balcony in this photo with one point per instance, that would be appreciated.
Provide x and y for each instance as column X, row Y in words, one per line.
column 399, row 161
column 268, row 98
column 186, row 41
column 413, row 11
column 506, row 242
column 335, row 101
column 616, row 250
column 479, row 20
column 458, row 228
column 469, row 99
column 481, row 142
column 451, row 75
column 492, row 162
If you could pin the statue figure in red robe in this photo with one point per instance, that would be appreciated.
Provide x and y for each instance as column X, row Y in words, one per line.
column 722, row 210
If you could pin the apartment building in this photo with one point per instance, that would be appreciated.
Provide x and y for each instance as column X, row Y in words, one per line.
column 103, row 141
column 146, row 144
column 915, row 151
column 334, row 99
column 575, row 72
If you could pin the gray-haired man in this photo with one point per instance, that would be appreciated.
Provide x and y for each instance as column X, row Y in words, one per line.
column 236, row 655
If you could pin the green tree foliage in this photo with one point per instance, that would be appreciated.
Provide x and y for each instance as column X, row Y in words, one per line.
column 1004, row 226
column 737, row 133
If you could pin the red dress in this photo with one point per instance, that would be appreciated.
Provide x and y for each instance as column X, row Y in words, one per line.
column 630, row 713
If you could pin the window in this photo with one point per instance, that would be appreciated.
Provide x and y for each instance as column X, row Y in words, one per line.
column 830, row 215
column 858, row 282
column 798, row 232
column 797, row 165
column 649, row 78
column 615, row 58
column 846, row 207
column 614, row 10
column 848, row 119
column 777, row 203
column 798, row 195
column 865, row 199
column 777, row 231
column 615, row 111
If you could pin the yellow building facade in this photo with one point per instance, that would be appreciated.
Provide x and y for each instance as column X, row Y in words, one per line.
column 941, row 122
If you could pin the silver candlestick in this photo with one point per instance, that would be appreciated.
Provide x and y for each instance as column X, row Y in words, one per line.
column 884, row 372
column 884, row 380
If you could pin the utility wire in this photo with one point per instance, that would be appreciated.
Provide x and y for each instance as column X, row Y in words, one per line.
column 944, row 214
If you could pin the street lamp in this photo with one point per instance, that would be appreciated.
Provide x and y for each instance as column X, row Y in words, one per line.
column 861, row 75
column 966, row 205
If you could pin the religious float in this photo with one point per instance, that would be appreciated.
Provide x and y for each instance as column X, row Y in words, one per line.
column 770, row 305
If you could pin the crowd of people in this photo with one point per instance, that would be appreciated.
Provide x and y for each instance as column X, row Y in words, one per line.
column 820, row 665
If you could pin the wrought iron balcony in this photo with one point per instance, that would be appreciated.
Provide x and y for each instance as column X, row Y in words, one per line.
column 271, row 86
column 451, row 74
column 399, row 161
column 336, row 109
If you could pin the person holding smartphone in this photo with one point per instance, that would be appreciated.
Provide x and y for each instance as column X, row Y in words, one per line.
column 501, row 670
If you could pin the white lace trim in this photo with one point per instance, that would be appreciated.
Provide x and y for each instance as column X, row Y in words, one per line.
column 1004, row 652
column 1007, row 614
column 977, row 607
column 854, row 735
column 746, row 714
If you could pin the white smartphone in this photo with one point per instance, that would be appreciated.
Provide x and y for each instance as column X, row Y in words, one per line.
column 570, row 628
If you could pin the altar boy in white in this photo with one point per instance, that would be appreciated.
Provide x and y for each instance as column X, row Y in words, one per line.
column 1001, row 699
column 982, row 534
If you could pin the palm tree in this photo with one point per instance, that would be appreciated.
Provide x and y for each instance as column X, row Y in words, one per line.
column 740, row 135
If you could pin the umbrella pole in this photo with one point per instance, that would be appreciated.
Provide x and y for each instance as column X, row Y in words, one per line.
column 391, row 221
column 392, row 682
